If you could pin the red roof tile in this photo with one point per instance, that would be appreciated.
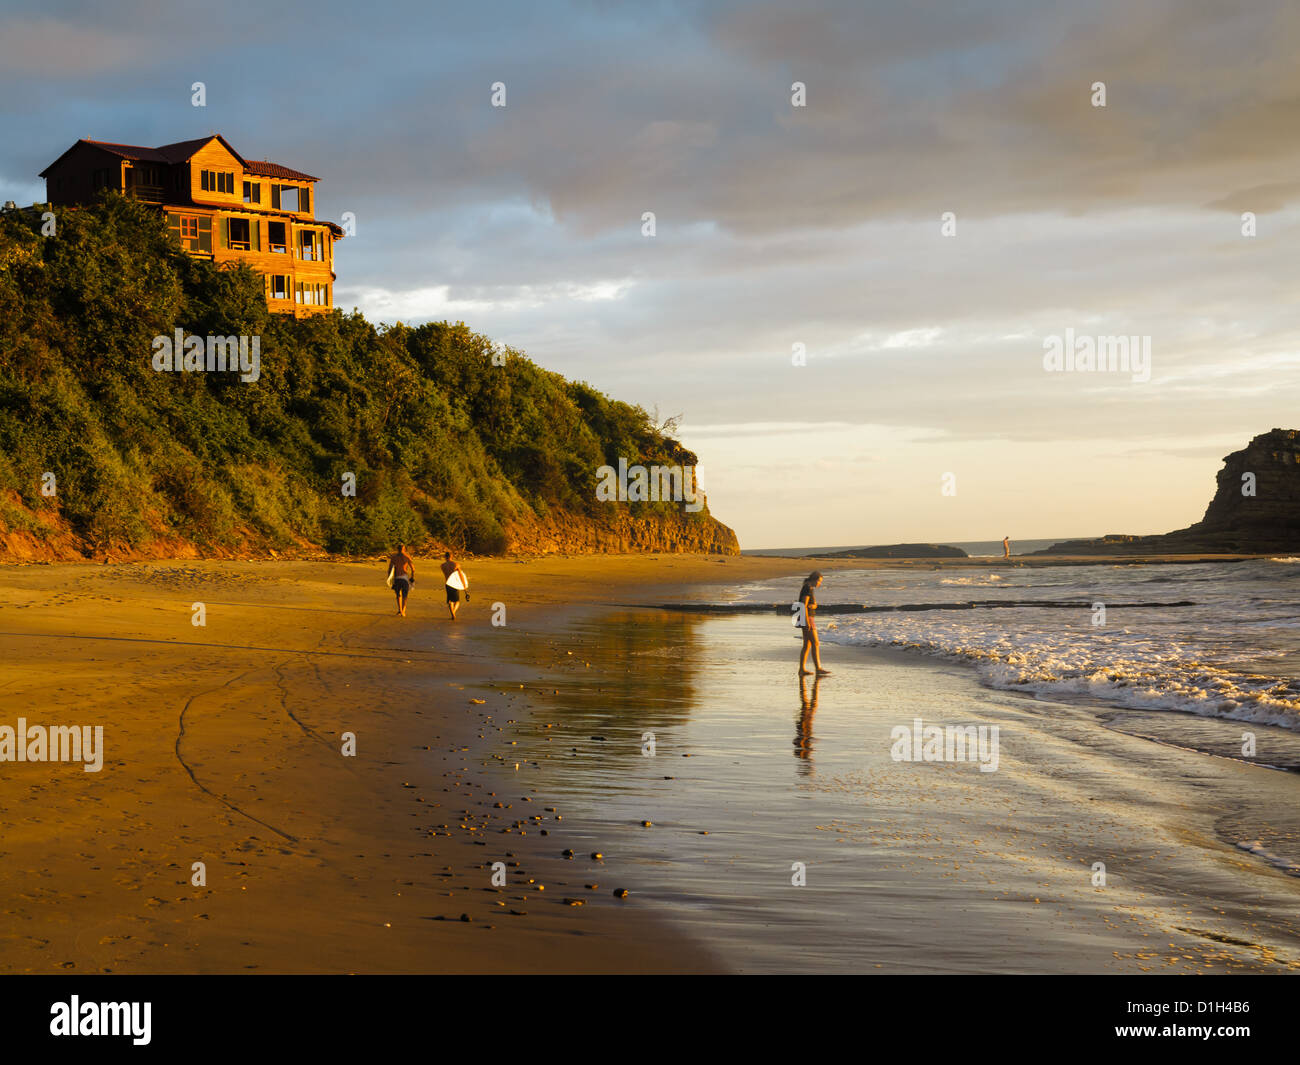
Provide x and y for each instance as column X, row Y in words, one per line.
column 261, row 168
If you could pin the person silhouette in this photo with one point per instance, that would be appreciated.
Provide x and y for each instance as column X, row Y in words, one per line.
column 807, row 619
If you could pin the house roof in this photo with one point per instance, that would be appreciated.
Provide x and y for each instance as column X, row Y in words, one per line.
column 261, row 168
column 182, row 151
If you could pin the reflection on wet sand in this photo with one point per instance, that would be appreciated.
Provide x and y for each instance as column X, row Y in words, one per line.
column 611, row 680
column 803, row 737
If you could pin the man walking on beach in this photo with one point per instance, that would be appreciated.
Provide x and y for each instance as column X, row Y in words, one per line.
column 806, row 620
column 402, row 571
column 449, row 568
column 1006, row 547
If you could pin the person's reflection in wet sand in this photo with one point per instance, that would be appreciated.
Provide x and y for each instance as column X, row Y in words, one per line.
column 803, row 737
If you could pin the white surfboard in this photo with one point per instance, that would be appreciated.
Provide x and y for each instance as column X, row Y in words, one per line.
column 389, row 581
column 454, row 581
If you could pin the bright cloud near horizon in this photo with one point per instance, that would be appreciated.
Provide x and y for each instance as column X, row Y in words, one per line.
column 778, row 226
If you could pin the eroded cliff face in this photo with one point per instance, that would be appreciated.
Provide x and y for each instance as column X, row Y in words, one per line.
column 1255, row 509
column 624, row 532
column 45, row 538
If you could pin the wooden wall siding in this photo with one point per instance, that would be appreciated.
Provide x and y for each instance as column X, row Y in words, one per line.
column 214, row 156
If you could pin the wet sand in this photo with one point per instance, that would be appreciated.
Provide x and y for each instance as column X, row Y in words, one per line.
column 910, row 867
column 223, row 746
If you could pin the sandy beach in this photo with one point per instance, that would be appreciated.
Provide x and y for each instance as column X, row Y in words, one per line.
column 478, row 743
column 222, row 745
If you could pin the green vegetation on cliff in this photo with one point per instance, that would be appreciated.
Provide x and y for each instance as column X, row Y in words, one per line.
column 445, row 446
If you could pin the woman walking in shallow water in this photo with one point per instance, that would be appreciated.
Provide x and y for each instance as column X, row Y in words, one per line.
column 808, row 618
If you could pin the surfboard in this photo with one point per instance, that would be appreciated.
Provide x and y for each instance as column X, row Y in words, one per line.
column 454, row 581
column 389, row 580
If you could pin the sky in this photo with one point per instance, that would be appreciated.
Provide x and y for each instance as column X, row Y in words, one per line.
column 845, row 304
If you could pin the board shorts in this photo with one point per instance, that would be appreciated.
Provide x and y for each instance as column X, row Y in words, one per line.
column 453, row 594
column 402, row 586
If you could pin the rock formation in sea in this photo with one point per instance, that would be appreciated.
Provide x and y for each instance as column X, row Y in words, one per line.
column 1255, row 510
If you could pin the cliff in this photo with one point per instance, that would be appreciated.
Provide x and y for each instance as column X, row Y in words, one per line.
column 1255, row 509
column 690, row 533
column 329, row 435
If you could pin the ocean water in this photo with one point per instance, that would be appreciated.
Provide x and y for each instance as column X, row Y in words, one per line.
column 1215, row 639
column 771, row 821
column 974, row 548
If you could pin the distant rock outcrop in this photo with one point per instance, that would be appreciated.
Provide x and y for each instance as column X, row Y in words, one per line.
column 899, row 551
column 1256, row 509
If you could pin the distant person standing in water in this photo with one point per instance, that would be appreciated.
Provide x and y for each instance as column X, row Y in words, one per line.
column 450, row 567
column 401, row 571
column 808, row 618
column 1006, row 547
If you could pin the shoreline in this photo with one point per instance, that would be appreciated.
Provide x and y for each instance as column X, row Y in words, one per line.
column 318, row 863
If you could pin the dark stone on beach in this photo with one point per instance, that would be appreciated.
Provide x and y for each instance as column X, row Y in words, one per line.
column 596, row 856
column 466, row 918
column 574, row 902
column 620, row 893
column 568, row 854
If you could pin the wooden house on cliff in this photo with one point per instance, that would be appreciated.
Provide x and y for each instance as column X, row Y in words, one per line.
column 219, row 206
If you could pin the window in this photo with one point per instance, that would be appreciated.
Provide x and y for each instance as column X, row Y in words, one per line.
column 310, row 294
column 100, row 178
column 193, row 232
column 309, row 245
column 240, row 237
column 304, row 200
column 279, row 286
column 276, row 239
column 217, row 181
column 285, row 198
column 252, row 192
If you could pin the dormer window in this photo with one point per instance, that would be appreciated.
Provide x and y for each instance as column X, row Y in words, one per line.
column 252, row 192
